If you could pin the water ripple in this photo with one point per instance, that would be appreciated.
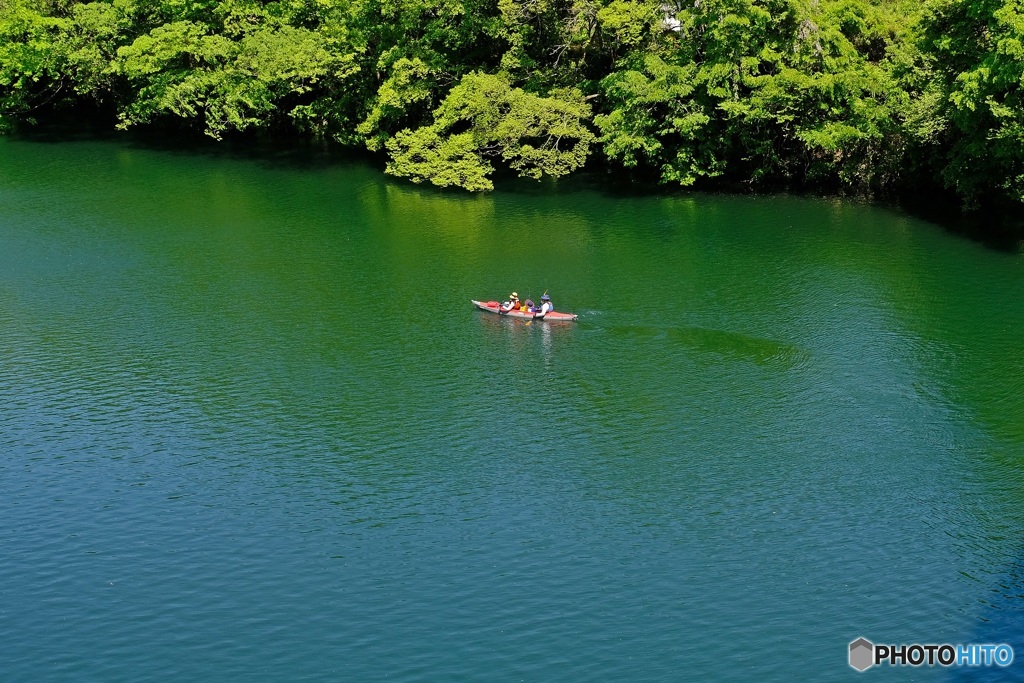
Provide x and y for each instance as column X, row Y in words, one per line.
column 262, row 435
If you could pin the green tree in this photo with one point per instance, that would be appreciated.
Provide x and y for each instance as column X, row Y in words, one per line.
column 759, row 90
column 483, row 118
column 32, row 67
column 271, row 70
column 975, row 51
column 849, row 95
column 657, row 119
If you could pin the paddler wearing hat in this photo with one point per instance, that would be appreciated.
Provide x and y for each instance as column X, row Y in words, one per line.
column 545, row 307
column 510, row 305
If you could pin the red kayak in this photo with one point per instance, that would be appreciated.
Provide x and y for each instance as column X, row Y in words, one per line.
column 494, row 307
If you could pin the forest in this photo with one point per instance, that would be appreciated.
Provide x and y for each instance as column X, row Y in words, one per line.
column 859, row 97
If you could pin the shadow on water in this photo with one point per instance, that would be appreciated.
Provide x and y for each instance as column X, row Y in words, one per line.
column 277, row 152
column 727, row 344
column 997, row 228
column 732, row 345
column 1002, row 622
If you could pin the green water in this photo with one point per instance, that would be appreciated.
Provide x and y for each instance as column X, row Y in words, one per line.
column 252, row 429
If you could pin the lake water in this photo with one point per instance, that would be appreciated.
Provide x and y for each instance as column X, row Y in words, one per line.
column 252, row 429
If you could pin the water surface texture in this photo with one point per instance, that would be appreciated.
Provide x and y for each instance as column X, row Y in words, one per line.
column 251, row 429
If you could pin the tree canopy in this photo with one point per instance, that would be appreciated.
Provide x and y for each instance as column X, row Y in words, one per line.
column 857, row 96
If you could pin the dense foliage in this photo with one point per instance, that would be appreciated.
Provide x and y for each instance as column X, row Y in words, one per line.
column 842, row 95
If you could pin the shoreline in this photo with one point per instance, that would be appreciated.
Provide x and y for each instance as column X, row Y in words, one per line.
column 1000, row 228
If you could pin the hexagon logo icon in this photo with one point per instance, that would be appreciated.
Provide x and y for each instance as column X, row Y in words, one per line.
column 862, row 654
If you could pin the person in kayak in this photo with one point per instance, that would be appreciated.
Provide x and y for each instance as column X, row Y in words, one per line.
column 528, row 306
column 510, row 305
column 545, row 307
